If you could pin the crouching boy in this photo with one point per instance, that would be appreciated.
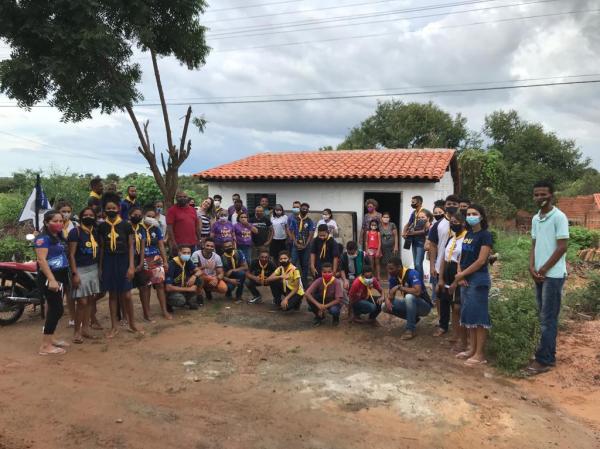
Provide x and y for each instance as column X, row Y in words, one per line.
column 183, row 285
column 325, row 295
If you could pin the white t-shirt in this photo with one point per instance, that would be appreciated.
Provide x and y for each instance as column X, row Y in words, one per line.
column 279, row 226
column 443, row 231
column 162, row 221
column 331, row 225
column 209, row 265
column 456, row 249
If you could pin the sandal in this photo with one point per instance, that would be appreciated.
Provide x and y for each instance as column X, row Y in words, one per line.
column 464, row 355
column 54, row 351
column 61, row 344
column 439, row 332
column 408, row 335
column 78, row 340
column 474, row 362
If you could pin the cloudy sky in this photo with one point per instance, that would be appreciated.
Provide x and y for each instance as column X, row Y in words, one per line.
column 298, row 48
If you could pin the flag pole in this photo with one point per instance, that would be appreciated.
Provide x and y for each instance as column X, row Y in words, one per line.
column 38, row 200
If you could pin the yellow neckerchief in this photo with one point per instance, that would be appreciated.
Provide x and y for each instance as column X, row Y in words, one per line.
column 417, row 212
column 131, row 200
column 324, row 248
column 138, row 239
column 326, row 286
column 66, row 228
column 113, row 232
column 95, row 195
column 181, row 264
column 289, row 269
column 262, row 270
column 231, row 259
column 369, row 289
column 401, row 278
column 455, row 238
column 301, row 225
column 93, row 242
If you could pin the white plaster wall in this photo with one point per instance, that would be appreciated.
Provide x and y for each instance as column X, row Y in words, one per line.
column 338, row 196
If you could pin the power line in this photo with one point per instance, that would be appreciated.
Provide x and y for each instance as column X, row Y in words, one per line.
column 301, row 11
column 222, row 36
column 365, row 36
column 255, row 5
column 348, row 97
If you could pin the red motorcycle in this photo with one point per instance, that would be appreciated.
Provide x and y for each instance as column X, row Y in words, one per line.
column 18, row 289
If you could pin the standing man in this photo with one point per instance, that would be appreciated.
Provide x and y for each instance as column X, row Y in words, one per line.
column 183, row 225
column 324, row 249
column 217, row 200
column 414, row 236
column 264, row 203
column 238, row 208
column 548, row 268
column 95, row 199
column 301, row 231
column 159, row 210
column 262, row 239
column 233, row 209
column 463, row 206
column 128, row 202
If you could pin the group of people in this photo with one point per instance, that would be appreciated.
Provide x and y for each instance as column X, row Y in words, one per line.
column 191, row 253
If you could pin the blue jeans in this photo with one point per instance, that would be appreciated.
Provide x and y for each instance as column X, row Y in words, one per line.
column 418, row 253
column 247, row 252
column 410, row 308
column 239, row 289
column 548, row 296
column 364, row 307
column 434, row 281
column 301, row 259
column 333, row 310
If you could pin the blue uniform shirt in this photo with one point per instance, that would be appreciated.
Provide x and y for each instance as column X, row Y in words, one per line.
column 57, row 251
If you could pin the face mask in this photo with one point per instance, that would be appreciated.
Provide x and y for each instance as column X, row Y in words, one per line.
column 185, row 257
column 303, row 212
column 136, row 220
column 112, row 214
column 438, row 217
column 151, row 221
column 414, row 205
column 456, row 228
column 352, row 256
column 385, row 219
column 295, row 210
column 159, row 210
column 217, row 203
column 285, row 264
column 229, row 250
column 368, row 281
column 421, row 221
column 182, row 201
column 451, row 209
column 472, row 221
column 88, row 221
column 542, row 202
column 55, row 228
column 223, row 219
column 327, row 276
column 66, row 215
column 370, row 208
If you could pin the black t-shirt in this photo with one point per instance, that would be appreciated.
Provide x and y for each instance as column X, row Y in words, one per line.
column 84, row 256
column 256, row 269
column 331, row 250
column 263, row 225
column 176, row 275
column 123, row 230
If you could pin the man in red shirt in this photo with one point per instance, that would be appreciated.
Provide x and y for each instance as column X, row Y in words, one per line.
column 183, row 225
column 362, row 298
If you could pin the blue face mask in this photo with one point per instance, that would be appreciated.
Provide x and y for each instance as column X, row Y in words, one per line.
column 472, row 220
column 295, row 210
column 185, row 257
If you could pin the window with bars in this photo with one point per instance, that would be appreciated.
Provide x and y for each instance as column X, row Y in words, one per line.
column 253, row 200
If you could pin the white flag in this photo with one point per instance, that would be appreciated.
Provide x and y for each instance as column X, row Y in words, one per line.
column 29, row 209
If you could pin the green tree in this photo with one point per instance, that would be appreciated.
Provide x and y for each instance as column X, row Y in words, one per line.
column 77, row 54
column 147, row 189
column 407, row 125
column 530, row 154
column 587, row 184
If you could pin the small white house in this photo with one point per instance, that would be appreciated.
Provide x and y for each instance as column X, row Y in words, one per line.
column 340, row 180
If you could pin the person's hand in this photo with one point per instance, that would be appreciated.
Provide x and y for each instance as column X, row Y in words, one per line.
column 388, row 305
column 228, row 273
column 234, row 281
column 537, row 277
column 139, row 268
column 463, row 283
column 346, row 284
column 53, row 286
column 191, row 281
column 75, row 280
column 440, row 286
column 452, row 288
column 165, row 262
column 321, row 312
column 433, row 273
column 395, row 251
column 313, row 271
column 284, row 304
column 130, row 273
column 542, row 273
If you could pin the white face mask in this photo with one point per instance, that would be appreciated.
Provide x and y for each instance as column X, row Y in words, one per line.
column 66, row 215
column 151, row 221
column 223, row 218
column 217, row 203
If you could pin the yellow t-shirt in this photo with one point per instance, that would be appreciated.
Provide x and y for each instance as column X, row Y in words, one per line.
column 293, row 279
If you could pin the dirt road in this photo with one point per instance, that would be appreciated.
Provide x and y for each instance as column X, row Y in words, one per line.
column 246, row 377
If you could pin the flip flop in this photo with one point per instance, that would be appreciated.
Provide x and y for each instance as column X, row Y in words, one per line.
column 61, row 344
column 531, row 371
column 472, row 362
column 464, row 355
column 78, row 341
column 53, row 351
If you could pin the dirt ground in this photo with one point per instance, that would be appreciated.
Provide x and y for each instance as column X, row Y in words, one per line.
column 241, row 376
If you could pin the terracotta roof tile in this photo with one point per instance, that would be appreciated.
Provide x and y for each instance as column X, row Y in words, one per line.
column 424, row 164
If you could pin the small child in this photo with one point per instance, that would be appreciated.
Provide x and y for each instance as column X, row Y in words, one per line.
column 373, row 244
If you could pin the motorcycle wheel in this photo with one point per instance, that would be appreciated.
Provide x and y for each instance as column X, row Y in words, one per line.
column 9, row 313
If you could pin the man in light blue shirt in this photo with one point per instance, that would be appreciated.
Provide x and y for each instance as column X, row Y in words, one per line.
column 548, row 268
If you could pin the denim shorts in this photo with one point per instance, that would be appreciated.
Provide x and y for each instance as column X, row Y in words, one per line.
column 474, row 311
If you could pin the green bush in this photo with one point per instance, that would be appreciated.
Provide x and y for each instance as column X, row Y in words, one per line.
column 585, row 299
column 19, row 248
column 583, row 238
column 515, row 328
column 513, row 250
column 11, row 206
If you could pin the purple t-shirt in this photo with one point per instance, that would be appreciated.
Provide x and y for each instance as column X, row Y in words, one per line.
column 243, row 234
column 223, row 232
